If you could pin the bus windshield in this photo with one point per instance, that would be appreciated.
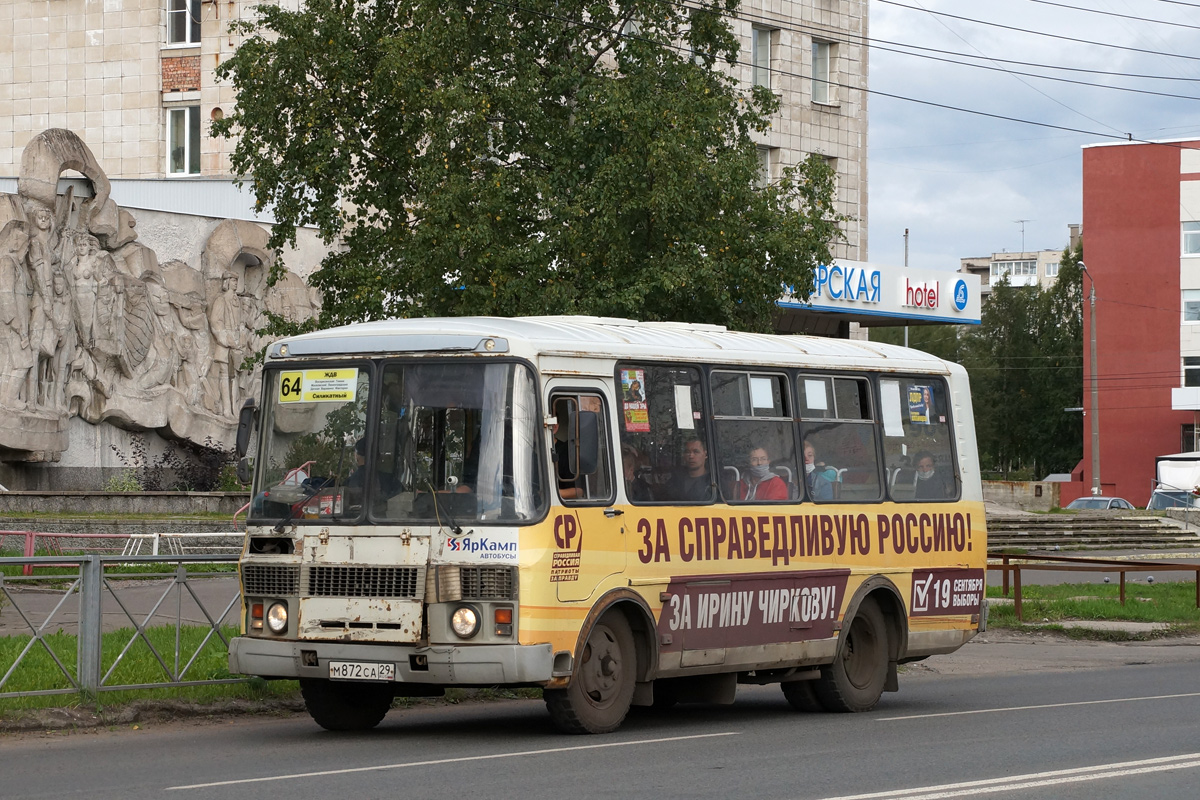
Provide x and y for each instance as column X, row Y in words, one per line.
column 448, row 443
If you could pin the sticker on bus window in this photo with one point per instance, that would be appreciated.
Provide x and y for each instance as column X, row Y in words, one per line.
column 920, row 405
column 633, row 402
column 683, row 408
column 318, row 386
column 893, row 425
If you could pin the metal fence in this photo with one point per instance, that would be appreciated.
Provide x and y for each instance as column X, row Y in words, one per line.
column 92, row 594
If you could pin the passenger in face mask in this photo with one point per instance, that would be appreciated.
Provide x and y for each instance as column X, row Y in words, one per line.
column 932, row 484
column 759, row 483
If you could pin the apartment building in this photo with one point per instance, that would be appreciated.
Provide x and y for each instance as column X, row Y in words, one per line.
column 135, row 79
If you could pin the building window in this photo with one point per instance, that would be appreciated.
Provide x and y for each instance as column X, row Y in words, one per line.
column 1016, row 269
column 1187, row 439
column 822, row 57
column 1191, row 305
column 183, row 141
column 760, row 47
column 764, row 166
column 1052, row 270
column 183, row 21
column 1191, row 370
column 1191, row 238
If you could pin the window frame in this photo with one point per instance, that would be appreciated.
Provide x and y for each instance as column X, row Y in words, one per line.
column 1189, row 237
column 822, row 56
column 193, row 139
column 606, row 433
column 190, row 11
column 788, row 415
column 760, row 57
column 702, row 369
column 952, row 438
column 874, row 421
column 1194, row 300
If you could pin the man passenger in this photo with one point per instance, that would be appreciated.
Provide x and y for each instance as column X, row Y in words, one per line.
column 693, row 484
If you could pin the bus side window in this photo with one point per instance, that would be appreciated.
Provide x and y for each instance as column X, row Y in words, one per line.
column 663, row 435
column 838, row 426
column 917, row 440
column 582, row 462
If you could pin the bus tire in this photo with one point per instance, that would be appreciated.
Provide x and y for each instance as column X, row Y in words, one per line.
column 601, row 689
column 337, row 706
column 802, row 695
column 856, row 678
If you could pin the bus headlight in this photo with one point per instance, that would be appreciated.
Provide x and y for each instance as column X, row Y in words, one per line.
column 277, row 618
column 464, row 622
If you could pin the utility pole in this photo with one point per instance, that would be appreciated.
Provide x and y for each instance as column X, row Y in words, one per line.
column 1095, row 410
column 906, row 266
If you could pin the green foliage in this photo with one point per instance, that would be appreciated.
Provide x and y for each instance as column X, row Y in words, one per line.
column 548, row 157
column 1171, row 602
column 1026, row 367
column 127, row 481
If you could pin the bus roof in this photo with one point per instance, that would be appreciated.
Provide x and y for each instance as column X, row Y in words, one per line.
column 601, row 337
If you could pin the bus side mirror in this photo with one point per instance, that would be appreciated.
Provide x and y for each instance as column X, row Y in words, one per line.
column 243, row 470
column 583, row 448
column 245, row 426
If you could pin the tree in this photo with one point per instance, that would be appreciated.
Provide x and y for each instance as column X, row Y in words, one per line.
column 541, row 157
column 1026, row 366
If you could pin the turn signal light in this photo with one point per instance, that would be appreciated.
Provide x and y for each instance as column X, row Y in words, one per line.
column 504, row 616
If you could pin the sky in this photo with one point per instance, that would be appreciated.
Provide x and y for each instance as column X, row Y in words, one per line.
column 962, row 182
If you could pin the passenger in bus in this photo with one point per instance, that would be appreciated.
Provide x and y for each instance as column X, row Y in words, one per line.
column 693, row 484
column 932, row 484
column 636, row 488
column 820, row 487
column 358, row 476
column 760, row 483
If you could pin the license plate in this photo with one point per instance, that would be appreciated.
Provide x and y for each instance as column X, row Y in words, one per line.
column 361, row 671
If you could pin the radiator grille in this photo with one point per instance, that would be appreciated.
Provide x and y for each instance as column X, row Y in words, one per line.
column 337, row 581
column 276, row 580
column 488, row 582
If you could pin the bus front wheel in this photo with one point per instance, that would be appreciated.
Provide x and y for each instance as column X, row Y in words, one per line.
column 856, row 678
column 601, row 688
column 337, row 706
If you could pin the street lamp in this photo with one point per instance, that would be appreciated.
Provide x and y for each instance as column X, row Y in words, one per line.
column 1095, row 385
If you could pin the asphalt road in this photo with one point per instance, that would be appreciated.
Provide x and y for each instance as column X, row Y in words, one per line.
column 1027, row 716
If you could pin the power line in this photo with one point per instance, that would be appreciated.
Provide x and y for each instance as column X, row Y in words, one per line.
column 1115, row 14
column 1040, row 33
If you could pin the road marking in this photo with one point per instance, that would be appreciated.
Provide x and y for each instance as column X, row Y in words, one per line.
column 459, row 760
column 1047, row 705
column 1034, row 780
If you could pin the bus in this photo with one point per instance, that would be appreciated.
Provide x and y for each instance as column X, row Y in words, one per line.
column 621, row 513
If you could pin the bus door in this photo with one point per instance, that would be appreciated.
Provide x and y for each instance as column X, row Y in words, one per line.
column 588, row 531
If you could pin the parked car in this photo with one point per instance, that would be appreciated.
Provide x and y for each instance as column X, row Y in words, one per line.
column 1098, row 503
column 1166, row 498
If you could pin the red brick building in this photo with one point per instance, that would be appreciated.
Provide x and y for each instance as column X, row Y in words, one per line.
column 1141, row 223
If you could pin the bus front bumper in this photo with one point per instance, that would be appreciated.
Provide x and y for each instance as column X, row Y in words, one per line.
column 443, row 665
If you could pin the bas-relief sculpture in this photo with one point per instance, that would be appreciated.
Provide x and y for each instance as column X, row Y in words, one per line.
column 91, row 325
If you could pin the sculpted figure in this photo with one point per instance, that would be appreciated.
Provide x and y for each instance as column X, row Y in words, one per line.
column 85, row 274
column 162, row 359
column 196, row 352
column 225, row 317
column 62, row 344
column 42, row 262
column 17, row 354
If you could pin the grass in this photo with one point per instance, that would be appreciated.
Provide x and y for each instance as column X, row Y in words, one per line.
column 38, row 671
column 1169, row 602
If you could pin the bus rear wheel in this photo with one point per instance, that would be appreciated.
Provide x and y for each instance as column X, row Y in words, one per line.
column 856, row 678
column 601, row 689
column 337, row 706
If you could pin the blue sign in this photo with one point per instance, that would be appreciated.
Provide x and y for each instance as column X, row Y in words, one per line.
column 960, row 294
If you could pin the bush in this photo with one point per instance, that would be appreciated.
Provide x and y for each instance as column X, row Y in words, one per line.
column 183, row 467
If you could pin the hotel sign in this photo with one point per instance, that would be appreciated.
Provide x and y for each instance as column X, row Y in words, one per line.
column 862, row 288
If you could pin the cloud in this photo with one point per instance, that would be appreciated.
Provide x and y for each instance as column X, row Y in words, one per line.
column 959, row 181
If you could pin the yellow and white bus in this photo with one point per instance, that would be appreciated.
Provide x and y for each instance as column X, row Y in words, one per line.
column 622, row 513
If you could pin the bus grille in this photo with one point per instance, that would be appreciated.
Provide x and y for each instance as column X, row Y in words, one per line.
column 276, row 580
column 362, row 581
column 488, row 582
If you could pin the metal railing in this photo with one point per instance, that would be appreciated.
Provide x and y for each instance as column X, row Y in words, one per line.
column 88, row 599
column 1078, row 564
column 1190, row 498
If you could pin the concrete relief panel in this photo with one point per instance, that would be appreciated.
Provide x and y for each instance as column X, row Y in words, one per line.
column 93, row 326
